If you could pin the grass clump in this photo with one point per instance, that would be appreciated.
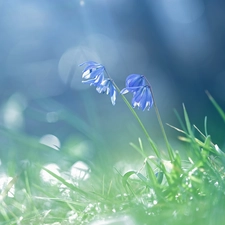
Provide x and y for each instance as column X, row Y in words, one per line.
column 165, row 190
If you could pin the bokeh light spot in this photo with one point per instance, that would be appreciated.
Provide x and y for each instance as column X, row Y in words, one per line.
column 13, row 111
column 183, row 11
column 80, row 171
column 46, row 177
column 125, row 220
column 51, row 141
column 52, row 117
column 82, row 2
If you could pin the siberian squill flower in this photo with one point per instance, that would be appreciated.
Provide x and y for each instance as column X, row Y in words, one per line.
column 135, row 80
column 107, row 87
column 142, row 96
column 94, row 75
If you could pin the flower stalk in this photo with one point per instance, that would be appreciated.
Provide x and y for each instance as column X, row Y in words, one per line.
column 138, row 85
column 169, row 149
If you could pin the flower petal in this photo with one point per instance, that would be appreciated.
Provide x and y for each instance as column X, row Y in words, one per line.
column 135, row 80
column 113, row 96
column 142, row 98
column 129, row 89
column 124, row 91
column 93, row 74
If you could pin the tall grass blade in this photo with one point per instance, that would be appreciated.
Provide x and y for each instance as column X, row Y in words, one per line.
column 188, row 124
column 205, row 126
column 218, row 108
column 67, row 184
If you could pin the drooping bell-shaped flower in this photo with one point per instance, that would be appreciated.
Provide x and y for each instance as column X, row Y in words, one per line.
column 133, row 82
column 107, row 87
column 93, row 73
column 142, row 96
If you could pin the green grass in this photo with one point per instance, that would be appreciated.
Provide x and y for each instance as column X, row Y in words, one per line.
column 171, row 190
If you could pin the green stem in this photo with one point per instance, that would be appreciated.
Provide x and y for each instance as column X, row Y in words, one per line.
column 137, row 118
column 142, row 126
column 170, row 152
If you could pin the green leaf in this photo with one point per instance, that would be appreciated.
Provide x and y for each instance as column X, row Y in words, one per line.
column 159, row 176
column 218, row 108
column 126, row 176
column 150, row 174
column 188, row 124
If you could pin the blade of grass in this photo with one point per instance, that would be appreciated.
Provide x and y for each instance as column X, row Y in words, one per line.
column 67, row 184
column 8, row 187
column 218, row 108
column 188, row 124
column 28, row 190
column 180, row 121
column 138, row 149
column 205, row 126
column 151, row 175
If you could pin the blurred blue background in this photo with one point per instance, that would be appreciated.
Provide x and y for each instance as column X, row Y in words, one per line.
column 178, row 44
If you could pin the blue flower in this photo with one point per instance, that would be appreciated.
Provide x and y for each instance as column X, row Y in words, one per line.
column 142, row 96
column 107, row 87
column 93, row 73
column 135, row 80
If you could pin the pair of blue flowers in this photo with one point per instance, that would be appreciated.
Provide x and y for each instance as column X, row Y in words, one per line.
column 94, row 74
